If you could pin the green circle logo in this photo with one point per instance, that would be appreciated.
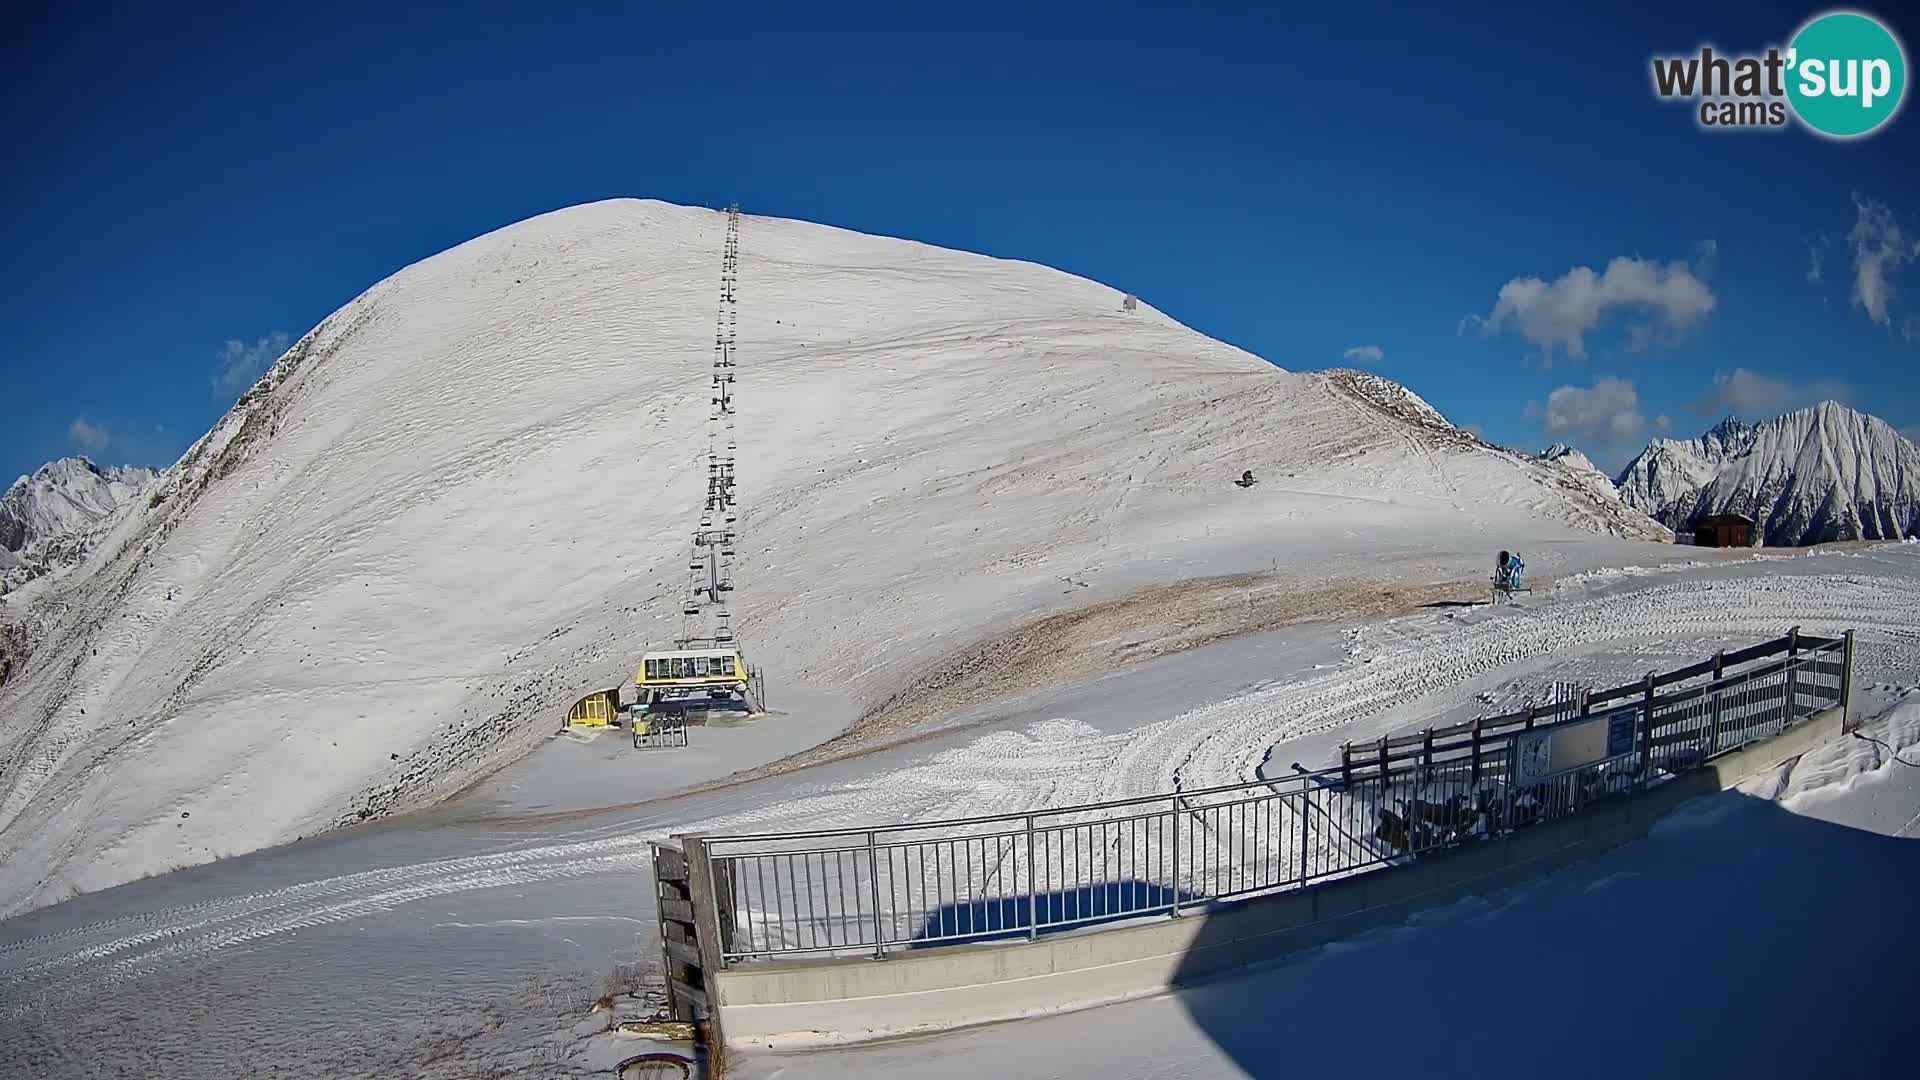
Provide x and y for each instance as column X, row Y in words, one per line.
column 1846, row 74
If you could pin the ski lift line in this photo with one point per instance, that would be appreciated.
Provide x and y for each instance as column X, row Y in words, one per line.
column 711, row 562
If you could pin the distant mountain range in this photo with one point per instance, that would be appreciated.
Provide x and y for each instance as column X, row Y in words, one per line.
column 1816, row 475
column 42, row 516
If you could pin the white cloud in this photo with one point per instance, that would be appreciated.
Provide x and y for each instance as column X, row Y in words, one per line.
column 241, row 364
column 1816, row 253
column 1365, row 354
column 1560, row 313
column 1476, row 431
column 1750, row 393
column 1605, row 414
column 88, row 436
column 1879, row 250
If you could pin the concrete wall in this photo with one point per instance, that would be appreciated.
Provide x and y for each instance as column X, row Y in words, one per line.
column 796, row 1004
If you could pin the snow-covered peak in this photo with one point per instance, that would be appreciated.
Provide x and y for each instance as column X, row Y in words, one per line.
column 1730, row 436
column 1826, row 472
column 1568, row 456
column 1664, row 479
column 63, row 497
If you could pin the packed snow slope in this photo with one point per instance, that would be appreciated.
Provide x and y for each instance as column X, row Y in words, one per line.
column 1820, row 474
column 464, row 499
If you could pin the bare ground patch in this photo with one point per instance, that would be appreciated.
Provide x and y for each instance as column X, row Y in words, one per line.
column 1063, row 647
column 1067, row 646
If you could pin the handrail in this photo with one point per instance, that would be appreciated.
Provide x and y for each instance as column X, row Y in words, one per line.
column 871, row 889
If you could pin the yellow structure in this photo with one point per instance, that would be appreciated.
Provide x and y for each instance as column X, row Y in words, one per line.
column 598, row 709
column 681, row 673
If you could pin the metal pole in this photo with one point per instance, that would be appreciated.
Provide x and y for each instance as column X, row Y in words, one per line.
column 1306, row 803
column 1506, row 789
column 1176, row 854
column 1713, row 697
column 1846, row 682
column 873, row 890
column 1793, row 674
column 1646, row 729
column 1033, row 887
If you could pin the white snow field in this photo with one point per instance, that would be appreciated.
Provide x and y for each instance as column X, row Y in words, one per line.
column 464, row 499
column 469, row 942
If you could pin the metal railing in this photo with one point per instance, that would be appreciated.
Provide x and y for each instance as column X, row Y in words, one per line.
column 875, row 890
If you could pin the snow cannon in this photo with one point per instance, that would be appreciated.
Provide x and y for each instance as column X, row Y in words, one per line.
column 1508, row 578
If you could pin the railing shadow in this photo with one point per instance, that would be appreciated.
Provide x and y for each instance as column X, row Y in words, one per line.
column 1739, row 939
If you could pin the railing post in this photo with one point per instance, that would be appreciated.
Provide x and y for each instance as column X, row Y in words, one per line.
column 1528, row 717
column 873, row 893
column 1306, row 802
column 1426, row 756
column 1476, row 753
column 1033, row 887
column 1177, row 815
column 1793, row 675
column 1646, row 729
column 1506, row 791
column 708, row 940
column 1586, row 705
column 1713, row 699
column 1386, row 778
column 1846, row 682
column 1346, row 764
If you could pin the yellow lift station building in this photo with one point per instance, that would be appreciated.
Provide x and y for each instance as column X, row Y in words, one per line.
column 685, row 674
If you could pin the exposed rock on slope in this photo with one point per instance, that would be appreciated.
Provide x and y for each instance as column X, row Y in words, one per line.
column 1583, row 496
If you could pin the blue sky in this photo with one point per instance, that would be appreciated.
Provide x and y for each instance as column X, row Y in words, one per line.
column 188, row 187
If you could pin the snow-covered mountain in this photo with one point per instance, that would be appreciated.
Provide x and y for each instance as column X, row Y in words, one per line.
column 1568, row 456
column 464, row 499
column 45, row 517
column 1816, row 475
column 65, row 496
column 1665, row 479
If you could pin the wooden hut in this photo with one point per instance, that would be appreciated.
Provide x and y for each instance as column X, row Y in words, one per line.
column 1723, row 530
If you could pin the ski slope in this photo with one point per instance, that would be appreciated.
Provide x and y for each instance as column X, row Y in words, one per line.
column 462, row 500
column 379, row 936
